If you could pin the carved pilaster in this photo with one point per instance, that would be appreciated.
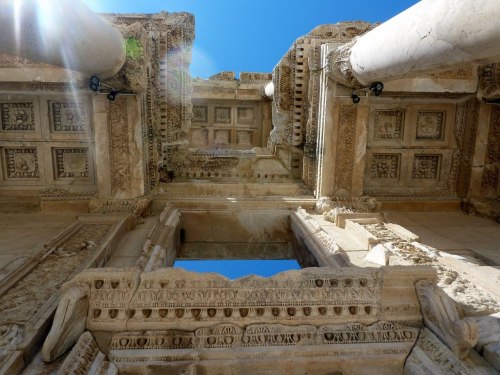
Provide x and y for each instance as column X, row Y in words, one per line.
column 346, row 140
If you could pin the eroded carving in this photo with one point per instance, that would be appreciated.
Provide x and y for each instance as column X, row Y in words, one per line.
column 139, row 207
column 431, row 356
column 69, row 322
column 86, row 358
column 441, row 317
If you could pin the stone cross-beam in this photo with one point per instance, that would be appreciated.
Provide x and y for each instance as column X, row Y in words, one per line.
column 432, row 35
column 61, row 32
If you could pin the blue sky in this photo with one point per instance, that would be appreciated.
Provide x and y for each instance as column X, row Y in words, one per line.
column 251, row 36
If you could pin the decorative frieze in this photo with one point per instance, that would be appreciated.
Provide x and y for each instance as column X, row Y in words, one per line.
column 21, row 163
column 19, row 116
column 261, row 335
column 55, row 194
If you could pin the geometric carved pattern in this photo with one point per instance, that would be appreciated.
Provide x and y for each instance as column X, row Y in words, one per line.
column 245, row 116
column 389, row 124
column 71, row 162
column 385, row 166
column 17, row 117
column 68, row 117
column 200, row 113
column 223, row 115
column 255, row 335
column 430, row 125
column 169, row 299
column 426, row 166
column 21, row 162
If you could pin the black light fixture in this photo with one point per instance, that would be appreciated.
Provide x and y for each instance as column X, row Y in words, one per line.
column 355, row 99
column 375, row 87
column 112, row 95
column 94, row 83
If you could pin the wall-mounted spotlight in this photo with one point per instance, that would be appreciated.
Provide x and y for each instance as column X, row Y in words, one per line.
column 94, row 83
column 375, row 87
column 112, row 95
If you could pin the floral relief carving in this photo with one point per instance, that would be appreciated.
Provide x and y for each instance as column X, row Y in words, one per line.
column 119, row 146
column 68, row 117
column 385, row 166
column 17, row 116
column 388, row 124
column 426, row 166
column 430, row 125
column 22, row 163
column 345, row 147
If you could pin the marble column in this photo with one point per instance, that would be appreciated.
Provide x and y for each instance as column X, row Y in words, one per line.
column 63, row 33
column 432, row 35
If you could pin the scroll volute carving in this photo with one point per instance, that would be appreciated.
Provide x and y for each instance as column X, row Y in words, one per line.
column 441, row 317
column 69, row 321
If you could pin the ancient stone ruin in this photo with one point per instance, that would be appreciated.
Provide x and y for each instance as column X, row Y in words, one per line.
column 370, row 155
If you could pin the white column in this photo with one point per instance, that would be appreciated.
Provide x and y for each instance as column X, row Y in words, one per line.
column 61, row 32
column 430, row 36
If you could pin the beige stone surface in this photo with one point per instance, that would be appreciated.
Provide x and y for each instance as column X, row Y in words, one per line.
column 237, row 162
column 24, row 235
column 130, row 246
column 453, row 230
